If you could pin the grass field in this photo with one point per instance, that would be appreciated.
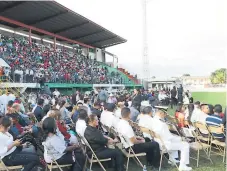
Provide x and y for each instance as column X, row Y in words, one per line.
column 210, row 97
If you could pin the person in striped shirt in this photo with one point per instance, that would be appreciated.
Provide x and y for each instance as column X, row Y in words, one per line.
column 216, row 120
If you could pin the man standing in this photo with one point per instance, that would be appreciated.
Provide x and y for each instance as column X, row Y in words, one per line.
column 56, row 93
column 103, row 95
column 112, row 99
column 173, row 97
column 180, row 91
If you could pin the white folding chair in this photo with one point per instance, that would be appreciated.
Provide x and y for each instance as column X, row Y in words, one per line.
column 163, row 148
column 57, row 166
column 93, row 158
column 130, row 153
column 198, row 145
column 218, row 145
column 7, row 168
column 200, row 127
column 54, row 164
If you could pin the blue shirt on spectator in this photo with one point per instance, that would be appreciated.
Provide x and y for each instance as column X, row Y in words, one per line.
column 215, row 120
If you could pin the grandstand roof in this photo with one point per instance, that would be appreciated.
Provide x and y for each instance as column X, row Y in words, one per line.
column 55, row 18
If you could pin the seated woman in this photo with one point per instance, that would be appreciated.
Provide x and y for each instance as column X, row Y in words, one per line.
column 63, row 129
column 99, row 143
column 55, row 147
column 65, row 114
column 12, row 152
column 180, row 115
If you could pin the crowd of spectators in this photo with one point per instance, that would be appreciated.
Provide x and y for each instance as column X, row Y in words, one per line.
column 34, row 62
column 50, row 128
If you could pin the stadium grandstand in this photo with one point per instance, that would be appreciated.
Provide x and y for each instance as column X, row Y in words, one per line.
column 43, row 42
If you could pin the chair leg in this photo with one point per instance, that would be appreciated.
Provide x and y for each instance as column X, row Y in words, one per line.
column 224, row 155
column 210, row 150
column 160, row 166
column 127, row 163
column 207, row 154
column 85, row 164
column 197, row 164
column 51, row 166
column 90, row 165
column 5, row 167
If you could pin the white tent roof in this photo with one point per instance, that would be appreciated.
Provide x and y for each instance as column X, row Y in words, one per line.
column 3, row 63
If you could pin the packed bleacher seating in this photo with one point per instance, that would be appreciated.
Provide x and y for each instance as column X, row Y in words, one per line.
column 32, row 62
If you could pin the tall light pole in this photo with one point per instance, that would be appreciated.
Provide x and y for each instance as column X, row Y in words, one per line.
column 146, row 67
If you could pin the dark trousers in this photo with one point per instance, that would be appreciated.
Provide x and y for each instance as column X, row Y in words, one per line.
column 114, row 154
column 27, row 78
column 17, row 78
column 173, row 102
column 18, row 157
column 68, row 159
column 152, row 151
column 180, row 98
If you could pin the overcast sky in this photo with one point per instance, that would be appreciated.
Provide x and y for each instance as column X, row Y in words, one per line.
column 185, row 36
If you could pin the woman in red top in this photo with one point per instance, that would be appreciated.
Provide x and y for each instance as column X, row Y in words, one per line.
column 180, row 115
column 63, row 129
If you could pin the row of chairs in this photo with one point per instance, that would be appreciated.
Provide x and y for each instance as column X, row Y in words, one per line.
column 199, row 144
column 206, row 143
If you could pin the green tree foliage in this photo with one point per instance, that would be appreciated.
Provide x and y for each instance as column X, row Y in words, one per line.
column 218, row 76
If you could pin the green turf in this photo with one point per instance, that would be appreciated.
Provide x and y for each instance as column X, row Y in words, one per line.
column 210, row 97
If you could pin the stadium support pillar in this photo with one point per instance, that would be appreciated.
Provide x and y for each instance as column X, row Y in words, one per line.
column 54, row 43
column 30, row 36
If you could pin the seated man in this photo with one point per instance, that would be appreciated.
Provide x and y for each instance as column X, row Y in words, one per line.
column 200, row 115
column 172, row 143
column 108, row 118
column 23, row 118
column 146, row 121
column 138, row 144
column 96, row 109
column 99, row 143
column 216, row 120
column 81, row 124
column 16, row 129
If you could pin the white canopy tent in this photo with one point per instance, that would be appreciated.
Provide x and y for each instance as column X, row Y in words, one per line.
column 3, row 63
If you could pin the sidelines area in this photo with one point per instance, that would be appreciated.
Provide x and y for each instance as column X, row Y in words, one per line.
column 210, row 97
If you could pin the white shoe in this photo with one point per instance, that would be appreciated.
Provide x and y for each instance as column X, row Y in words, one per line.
column 173, row 161
column 184, row 168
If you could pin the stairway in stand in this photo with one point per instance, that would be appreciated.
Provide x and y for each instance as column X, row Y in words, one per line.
column 131, row 77
column 6, row 85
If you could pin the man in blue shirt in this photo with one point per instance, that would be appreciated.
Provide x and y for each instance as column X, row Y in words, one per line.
column 216, row 120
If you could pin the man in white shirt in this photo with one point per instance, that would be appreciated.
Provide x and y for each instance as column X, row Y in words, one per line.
column 108, row 118
column 86, row 104
column 200, row 115
column 81, row 124
column 147, row 121
column 4, row 101
column 31, row 72
column 138, row 144
column 161, row 96
column 172, row 143
column 117, row 113
column 112, row 99
column 27, row 75
column 56, row 93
